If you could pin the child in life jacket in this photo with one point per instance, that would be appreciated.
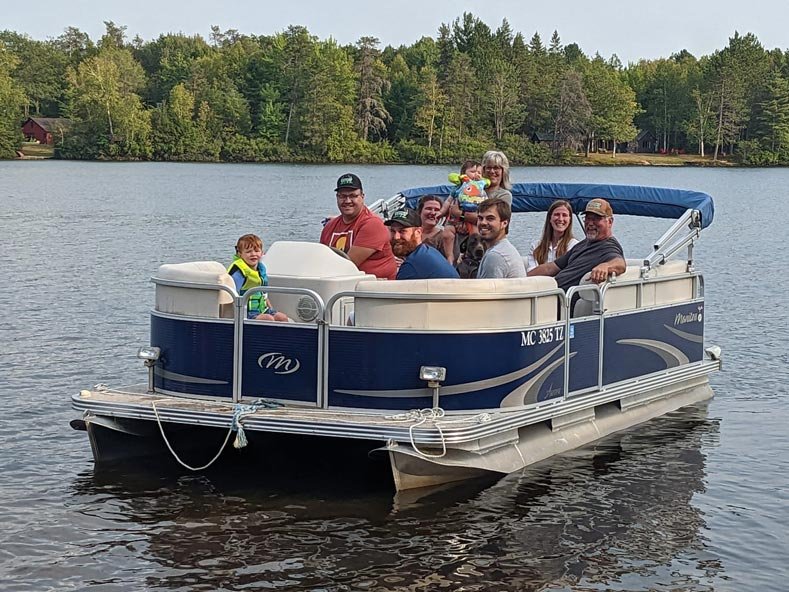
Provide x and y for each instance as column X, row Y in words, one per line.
column 248, row 272
column 460, row 208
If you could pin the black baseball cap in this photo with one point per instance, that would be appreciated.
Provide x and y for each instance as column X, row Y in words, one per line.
column 407, row 218
column 349, row 181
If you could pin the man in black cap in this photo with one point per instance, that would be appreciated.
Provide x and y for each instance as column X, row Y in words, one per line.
column 420, row 260
column 358, row 232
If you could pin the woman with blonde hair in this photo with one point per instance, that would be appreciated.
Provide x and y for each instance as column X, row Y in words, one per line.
column 496, row 168
column 557, row 235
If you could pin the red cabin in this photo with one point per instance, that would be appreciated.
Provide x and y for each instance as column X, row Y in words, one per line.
column 45, row 129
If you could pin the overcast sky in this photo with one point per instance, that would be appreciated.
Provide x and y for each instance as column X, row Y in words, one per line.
column 630, row 29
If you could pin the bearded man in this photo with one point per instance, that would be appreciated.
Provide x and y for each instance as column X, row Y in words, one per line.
column 420, row 260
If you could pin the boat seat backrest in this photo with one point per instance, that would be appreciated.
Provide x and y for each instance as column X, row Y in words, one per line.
column 664, row 284
column 419, row 311
column 195, row 302
column 316, row 267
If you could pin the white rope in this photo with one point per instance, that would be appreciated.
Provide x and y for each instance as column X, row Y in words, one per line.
column 175, row 456
column 428, row 415
column 433, row 415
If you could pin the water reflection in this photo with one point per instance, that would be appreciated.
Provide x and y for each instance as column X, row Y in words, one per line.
column 618, row 515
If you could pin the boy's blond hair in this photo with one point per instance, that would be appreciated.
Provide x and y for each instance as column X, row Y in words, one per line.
column 247, row 241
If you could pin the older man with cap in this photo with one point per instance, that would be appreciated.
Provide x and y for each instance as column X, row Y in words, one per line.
column 358, row 232
column 421, row 261
column 599, row 254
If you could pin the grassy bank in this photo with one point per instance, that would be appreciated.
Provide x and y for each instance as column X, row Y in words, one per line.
column 640, row 159
column 35, row 150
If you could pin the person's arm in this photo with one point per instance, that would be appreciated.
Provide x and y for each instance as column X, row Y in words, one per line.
column 550, row 269
column 238, row 279
column 603, row 271
column 531, row 260
column 369, row 237
column 359, row 254
column 445, row 206
column 469, row 217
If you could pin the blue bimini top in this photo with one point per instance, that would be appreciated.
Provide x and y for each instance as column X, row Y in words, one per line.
column 632, row 200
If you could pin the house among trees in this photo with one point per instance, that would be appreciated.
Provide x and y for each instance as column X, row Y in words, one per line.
column 645, row 142
column 542, row 137
column 45, row 129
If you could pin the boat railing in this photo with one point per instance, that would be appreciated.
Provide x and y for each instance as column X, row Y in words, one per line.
column 469, row 297
column 193, row 285
column 386, row 207
column 640, row 282
column 240, row 304
column 325, row 323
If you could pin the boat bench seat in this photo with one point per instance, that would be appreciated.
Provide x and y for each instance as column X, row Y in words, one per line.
column 422, row 312
column 195, row 302
column 664, row 284
column 312, row 266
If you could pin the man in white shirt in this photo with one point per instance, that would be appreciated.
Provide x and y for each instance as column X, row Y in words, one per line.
column 501, row 259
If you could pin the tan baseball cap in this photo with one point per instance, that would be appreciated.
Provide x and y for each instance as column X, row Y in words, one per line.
column 600, row 207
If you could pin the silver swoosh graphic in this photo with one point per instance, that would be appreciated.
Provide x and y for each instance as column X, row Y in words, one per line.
column 687, row 336
column 457, row 389
column 526, row 393
column 166, row 374
column 670, row 354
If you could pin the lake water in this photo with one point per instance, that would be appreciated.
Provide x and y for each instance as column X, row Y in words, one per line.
column 698, row 500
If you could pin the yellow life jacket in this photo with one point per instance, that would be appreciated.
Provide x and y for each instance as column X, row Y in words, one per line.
column 258, row 302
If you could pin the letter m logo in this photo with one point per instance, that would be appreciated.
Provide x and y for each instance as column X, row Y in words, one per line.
column 278, row 363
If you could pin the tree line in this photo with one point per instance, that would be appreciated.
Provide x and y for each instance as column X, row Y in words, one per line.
column 293, row 97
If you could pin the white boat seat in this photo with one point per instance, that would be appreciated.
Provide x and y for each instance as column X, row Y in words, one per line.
column 316, row 267
column 423, row 313
column 195, row 301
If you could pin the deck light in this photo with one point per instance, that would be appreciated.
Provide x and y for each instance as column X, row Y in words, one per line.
column 148, row 353
column 434, row 375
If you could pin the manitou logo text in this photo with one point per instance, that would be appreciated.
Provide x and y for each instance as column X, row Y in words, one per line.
column 277, row 362
column 690, row 317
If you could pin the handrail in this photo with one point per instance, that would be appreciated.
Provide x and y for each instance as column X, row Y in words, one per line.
column 440, row 297
column 614, row 282
column 568, row 301
column 194, row 285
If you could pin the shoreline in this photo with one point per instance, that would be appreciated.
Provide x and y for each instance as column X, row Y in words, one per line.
column 581, row 162
column 37, row 152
